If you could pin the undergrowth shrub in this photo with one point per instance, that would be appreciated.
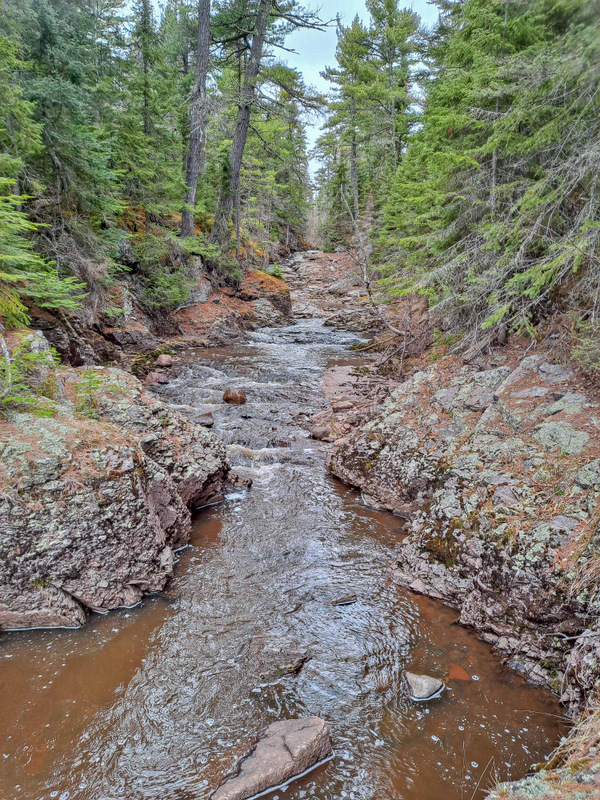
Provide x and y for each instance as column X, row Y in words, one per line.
column 86, row 391
column 586, row 349
column 276, row 271
column 27, row 381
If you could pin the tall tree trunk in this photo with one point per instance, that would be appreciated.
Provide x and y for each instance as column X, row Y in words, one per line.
column 146, row 30
column 393, row 141
column 198, row 115
column 237, row 225
column 354, row 174
column 221, row 223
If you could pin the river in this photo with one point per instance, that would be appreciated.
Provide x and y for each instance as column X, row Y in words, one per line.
column 154, row 703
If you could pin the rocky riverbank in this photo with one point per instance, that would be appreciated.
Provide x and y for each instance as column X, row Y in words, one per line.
column 116, row 327
column 97, row 495
column 495, row 469
column 96, row 498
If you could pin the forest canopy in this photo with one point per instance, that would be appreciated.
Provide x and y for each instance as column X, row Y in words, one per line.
column 147, row 141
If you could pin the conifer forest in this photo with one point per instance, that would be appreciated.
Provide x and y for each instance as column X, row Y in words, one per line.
column 299, row 399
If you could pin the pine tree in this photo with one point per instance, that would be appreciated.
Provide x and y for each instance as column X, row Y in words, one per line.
column 147, row 151
column 370, row 112
column 198, row 118
column 495, row 205
column 24, row 276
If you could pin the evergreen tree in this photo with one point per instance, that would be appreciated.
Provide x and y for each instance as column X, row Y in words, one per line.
column 147, row 151
column 370, row 113
column 198, row 118
column 24, row 275
column 495, row 204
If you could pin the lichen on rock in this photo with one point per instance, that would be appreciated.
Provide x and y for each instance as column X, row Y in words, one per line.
column 495, row 472
column 92, row 508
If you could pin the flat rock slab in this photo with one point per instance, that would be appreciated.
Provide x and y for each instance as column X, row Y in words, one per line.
column 423, row 687
column 283, row 751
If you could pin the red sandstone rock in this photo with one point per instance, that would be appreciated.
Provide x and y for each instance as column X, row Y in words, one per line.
column 234, row 397
column 206, row 420
column 164, row 360
column 154, row 378
column 283, row 751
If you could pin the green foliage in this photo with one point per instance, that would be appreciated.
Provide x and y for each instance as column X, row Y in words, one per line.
column 370, row 115
column 24, row 275
column 93, row 135
column 494, row 210
column 200, row 246
column 166, row 283
column 87, row 389
column 147, row 145
column 20, row 387
column 586, row 348
column 166, row 290
column 231, row 272
column 276, row 271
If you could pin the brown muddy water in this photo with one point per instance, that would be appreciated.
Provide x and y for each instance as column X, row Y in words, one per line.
column 153, row 703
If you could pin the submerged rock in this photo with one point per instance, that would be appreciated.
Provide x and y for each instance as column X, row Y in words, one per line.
column 283, row 751
column 272, row 658
column 233, row 397
column 423, row 687
column 345, row 600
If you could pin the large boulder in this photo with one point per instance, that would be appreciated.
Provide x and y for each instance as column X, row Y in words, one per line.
column 283, row 751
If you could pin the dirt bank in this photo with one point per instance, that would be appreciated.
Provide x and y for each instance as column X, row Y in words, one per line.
column 116, row 327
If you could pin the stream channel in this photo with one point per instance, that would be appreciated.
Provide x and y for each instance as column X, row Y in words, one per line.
column 156, row 702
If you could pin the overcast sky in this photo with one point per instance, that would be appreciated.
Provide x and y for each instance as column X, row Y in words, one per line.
column 315, row 50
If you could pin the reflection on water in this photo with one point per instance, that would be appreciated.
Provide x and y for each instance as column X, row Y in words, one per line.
column 154, row 703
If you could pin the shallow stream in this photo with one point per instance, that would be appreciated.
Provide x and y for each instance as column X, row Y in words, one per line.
column 154, row 703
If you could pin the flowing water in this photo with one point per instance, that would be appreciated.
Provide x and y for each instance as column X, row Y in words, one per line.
column 154, row 703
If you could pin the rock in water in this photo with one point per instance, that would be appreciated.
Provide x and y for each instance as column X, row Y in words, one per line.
column 206, row 420
column 458, row 673
column 233, row 397
column 154, row 378
column 345, row 600
column 283, row 751
column 423, row 687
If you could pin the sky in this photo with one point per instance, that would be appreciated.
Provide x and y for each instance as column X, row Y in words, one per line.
column 315, row 50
